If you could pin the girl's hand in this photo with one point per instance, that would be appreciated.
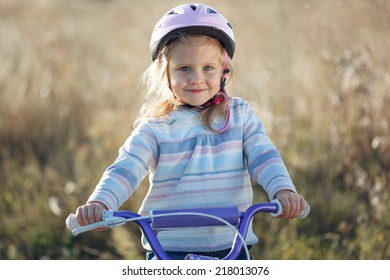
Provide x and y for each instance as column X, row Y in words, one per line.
column 292, row 203
column 90, row 213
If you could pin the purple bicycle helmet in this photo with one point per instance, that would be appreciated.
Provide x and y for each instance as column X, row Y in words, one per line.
column 192, row 19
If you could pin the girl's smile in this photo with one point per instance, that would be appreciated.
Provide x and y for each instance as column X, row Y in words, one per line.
column 195, row 70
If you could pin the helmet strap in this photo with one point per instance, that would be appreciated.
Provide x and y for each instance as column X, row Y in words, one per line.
column 222, row 91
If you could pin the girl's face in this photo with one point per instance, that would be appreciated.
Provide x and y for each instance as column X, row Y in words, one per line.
column 195, row 70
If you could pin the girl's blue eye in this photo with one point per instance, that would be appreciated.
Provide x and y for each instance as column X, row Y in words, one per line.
column 207, row 68
column 184, row 68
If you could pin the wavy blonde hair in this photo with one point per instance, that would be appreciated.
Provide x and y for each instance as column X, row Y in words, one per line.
column 159, row 98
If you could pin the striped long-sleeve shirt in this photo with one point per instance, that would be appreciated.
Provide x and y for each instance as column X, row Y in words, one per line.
column 189, row 166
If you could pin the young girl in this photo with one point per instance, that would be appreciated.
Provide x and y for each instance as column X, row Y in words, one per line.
column 198, row 146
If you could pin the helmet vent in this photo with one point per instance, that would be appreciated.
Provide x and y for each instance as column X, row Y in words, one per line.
column 211, row 11
column 173, row 12
column 193, row 7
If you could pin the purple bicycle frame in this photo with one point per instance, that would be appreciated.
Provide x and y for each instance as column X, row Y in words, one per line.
column 231, row 214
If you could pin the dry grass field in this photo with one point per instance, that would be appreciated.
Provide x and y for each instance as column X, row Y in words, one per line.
column 316, row 72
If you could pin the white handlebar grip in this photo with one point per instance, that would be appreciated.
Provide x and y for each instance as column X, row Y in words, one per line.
column 71, row 222
column 303, row 215
column 280, row 208
column 108, row 220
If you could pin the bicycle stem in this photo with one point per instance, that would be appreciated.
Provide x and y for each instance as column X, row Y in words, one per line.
column 246, row 218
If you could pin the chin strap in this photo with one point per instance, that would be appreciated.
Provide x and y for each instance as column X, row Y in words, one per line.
column 218, row 98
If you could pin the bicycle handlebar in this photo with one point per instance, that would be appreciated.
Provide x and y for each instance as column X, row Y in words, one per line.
column 159, row 220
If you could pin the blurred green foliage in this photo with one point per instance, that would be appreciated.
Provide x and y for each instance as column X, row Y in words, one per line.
column 317, row 73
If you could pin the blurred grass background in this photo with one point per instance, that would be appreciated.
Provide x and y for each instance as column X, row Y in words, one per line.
column 316, row 72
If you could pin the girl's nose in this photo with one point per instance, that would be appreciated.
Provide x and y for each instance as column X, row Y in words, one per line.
column 196, row 77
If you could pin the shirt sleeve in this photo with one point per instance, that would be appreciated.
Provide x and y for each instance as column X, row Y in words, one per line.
column 264, row 162
column 137, row 157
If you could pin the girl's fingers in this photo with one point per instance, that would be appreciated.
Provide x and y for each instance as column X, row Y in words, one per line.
column 88, row 214
column 293, row 204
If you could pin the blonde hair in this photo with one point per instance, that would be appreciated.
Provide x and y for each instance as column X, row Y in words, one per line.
column 159, row 98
